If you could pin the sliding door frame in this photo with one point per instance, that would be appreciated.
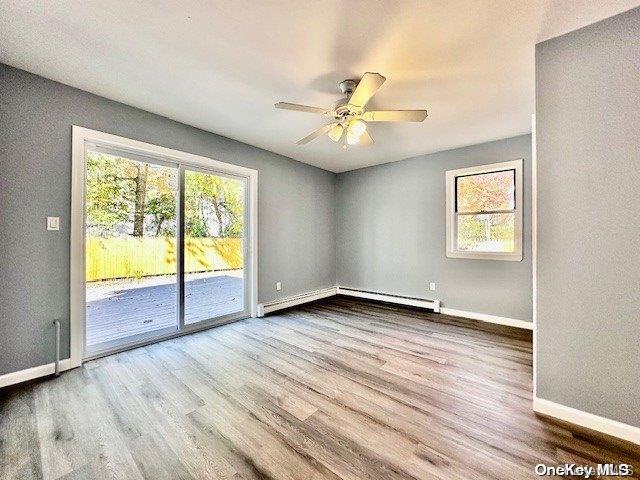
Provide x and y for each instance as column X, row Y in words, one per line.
column 246, row 298
column 81, row 138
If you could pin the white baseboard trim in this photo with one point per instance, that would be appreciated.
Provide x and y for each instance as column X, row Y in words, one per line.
column 390, row 298
column 587, row 420
column 33, row 372
column 484, row 317
column 294, row 300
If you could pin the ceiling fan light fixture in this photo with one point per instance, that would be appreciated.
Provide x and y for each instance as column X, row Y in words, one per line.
column 352, row 138
column 336, row 133
column 358, row 127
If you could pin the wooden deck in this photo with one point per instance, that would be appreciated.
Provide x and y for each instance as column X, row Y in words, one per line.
column 337, row 389
column 115, row 313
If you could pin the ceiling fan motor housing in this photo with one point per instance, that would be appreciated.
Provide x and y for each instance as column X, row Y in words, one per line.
column 341, row 109
column 348, row 86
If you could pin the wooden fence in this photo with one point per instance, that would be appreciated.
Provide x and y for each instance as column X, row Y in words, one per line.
column 111, row 258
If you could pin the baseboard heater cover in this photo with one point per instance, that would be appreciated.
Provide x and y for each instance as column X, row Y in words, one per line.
column 385, row 297
column 294, row 300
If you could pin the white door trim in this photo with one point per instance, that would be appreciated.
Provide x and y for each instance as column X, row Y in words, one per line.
column 80, row 138
column 534, row 250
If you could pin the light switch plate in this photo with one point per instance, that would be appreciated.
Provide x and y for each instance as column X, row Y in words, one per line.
column 53, row 223
column 432, row 286
column 278, row 286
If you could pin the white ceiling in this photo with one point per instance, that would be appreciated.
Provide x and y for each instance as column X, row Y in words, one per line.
column 221, row 65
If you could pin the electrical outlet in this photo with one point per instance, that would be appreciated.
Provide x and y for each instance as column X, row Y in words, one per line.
column 432, row 286
column 278, row 286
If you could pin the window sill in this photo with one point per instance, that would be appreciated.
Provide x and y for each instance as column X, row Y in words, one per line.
column 508, row 257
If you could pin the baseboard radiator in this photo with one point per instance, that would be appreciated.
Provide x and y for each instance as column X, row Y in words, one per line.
column 389, row 298
column 294, row 300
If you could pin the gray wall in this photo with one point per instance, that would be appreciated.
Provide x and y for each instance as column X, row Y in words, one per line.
column 391, row 233
column 588, row 278
column 296, row 229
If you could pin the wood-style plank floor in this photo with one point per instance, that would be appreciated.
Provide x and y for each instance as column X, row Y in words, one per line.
column 338, row 389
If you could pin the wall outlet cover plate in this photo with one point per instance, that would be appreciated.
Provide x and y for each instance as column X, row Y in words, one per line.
column 53, row 223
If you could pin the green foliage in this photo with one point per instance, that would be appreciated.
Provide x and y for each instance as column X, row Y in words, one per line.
column 196, row 227
column 213, row 204
column 163, row 209
column 107, row 196
column 470, row 232
column 486, row 232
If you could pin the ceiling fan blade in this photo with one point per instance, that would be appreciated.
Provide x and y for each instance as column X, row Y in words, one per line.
column 301, row 108
column 395, row 116
column 315, row 134
column 366, row 88
column 365, row 139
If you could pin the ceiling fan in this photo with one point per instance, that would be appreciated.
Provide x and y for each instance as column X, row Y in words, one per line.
column 349, row 114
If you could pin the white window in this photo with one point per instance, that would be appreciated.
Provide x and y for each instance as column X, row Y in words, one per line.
column 484, row 212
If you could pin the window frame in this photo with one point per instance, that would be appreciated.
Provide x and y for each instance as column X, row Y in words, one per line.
column 451, row 177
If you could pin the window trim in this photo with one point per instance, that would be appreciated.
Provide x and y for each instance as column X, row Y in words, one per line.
column 451, row 215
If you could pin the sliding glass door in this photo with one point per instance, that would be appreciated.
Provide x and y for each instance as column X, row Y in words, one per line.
column 164, row 249
column 130, row 243
column 213, row 245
